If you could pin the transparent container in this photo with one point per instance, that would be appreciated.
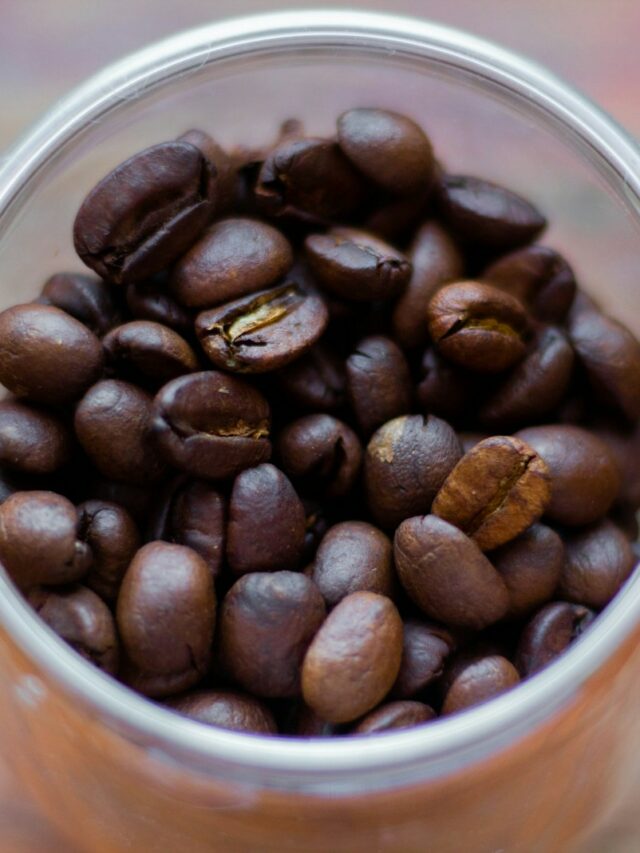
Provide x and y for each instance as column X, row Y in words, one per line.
column 541, row 768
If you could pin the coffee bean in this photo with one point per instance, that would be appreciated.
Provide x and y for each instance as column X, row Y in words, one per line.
column 222, row 172
column 136, row 500
column 393, row 217
column 394, row 715
column 354, row 658
column 113, row 539
column 225, row 709
column 477, row 326
column 39, row 540
column 145, row 213
column 446, row 390
column 389, row 148
column 378, row 382
column 146, row 300
column 315, row 382
column 46, row 354
column 32, row 440
column 426, row 647
column 584, row 479
column 624, row 446
column 266, row 522
column 266, row 624
column 148, row 353
column 477, row 681
column 306, row 723
column 82, row 620
column 235, row 258
column 549, row 633
column 198, row 519
column 444, row 572
column 316, row 525
column 87, row 299
column 211, row 425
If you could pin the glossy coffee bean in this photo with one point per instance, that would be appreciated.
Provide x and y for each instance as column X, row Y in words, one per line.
column 484, row 214
column 236, row 257
column 549, row 633
column 266, row 624
column 113, row 422
column 148, row 353
column 321, row 454
column 353, row 556
column 198, row 519
column 84, row 297
column 477, row 681
column 378, row 382
column 477, row 326
column 406, row 463
column 497, row 490
column 584, row 478
column 147, row 300
column 444, row 389
column 354, row 658
column 46, row 354
column 39, row 540
column 226, row 709
column 262, row 331
column 425, row 649
column 145, row 213
column 316, row 381
column 222, row 172
column 32, row 441
column 393, row 716
column 624, row 445
column 389, row 148
column 266, row 522
column 113, row 538
column 82, row 620
column 444, row 572
column 211, row 425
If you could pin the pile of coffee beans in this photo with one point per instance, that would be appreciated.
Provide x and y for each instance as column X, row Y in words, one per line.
column 329, row 445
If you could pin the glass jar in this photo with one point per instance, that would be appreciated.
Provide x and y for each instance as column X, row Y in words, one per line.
column 541, row 768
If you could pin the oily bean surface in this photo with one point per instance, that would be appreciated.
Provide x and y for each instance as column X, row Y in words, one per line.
column 549, row 633
column 147, row 300
column 148, row 353
column 222, row 174
column 84, row 297
column 198, row 519
column 446, row 390
column 226, row 709
column 113, row 538
column 394, row 715
column 425, row 649
column 316, row 381
column 32, row 440
column 378, row 382
column 477, row 681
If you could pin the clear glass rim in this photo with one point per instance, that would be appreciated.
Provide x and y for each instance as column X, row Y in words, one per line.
column 343, row 765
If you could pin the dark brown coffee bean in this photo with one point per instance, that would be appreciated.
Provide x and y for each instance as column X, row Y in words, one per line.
column 539, row 277
column 31, row 440
column 497, row 490
column 444, row 572
column 46, row 354
column 389, row 148
column 357, row 265
column 82, row 620
column 263, row 331
column 145, row 213
column 212, row 425
column 226, row 709
column 198, row 519
column 266, row 522
column 146, row 300
column 222, row 173
column 148, row 353
column 584, row 478
column 477, row 326
column 426, row 647
column 624, row 445
column 136, row 500
column 112, row 423
column 166, row 613
column 266, row 624
column 394, row 715
column 113, row 538
column 39, row 540
column 306, row 723
column 484, row 214
column 322, row 454
column 87, row 299
column 530, row 566
column 353, row 556
column 354, row 658
column 549, row 633
column 394, row 216
column 378, row 382
column 477, row 681
column 599, row 559
column 316, row 381
column 406, row 463
column 446, row 390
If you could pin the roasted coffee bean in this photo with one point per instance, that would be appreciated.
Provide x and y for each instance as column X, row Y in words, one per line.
column 322, row 454
column 266, row 522
column 316, row 525
column 148, row 353
column 378, row 382
column 357, row 265
column 32, row 440
column 354, row 658
column 478, row 326
column 394, row 715
column 353, row 556
column 389, row 148
column 146, row 300
column 316, row 381
column 393, row 217
column 539, row 277
column 549, row 633
column 444, row 389
column 481, row 213
column 82, row 620
column 584, row 478
column 166, row 614
column 267, row 621
column 598, row 561
column 198, row 518
column 46, row 354
column 444, row 572
column 624, row 445
column 425, row 649
column 262, row 331
column 477, row 680
column 226, row 709
column 87, row 299
column 222, row 173
column 306, row 723
column 112, row 536
column 497, row 490
column 145, row 213
column 530, row 566
column 39, row 540
column 113, row 422
column 212, row 425
column 235, row 258
column 137, row 500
